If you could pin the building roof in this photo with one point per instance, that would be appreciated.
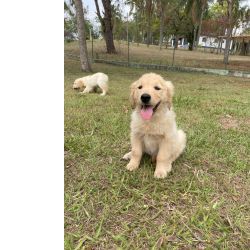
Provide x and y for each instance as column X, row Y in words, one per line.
column 246, row 37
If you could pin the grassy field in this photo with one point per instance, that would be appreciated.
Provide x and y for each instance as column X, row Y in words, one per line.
column 202, row 204
column 186, row 58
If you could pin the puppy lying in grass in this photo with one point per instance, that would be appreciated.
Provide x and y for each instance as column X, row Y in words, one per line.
column 91, row 82
column 153, row 125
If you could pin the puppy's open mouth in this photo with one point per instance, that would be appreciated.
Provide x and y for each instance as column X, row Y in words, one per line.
column 147, row 111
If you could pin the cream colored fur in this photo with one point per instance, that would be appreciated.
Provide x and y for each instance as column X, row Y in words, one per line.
column 159, row 136
column 90, row 82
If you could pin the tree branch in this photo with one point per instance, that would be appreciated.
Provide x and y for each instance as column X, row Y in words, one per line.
column 98, row 11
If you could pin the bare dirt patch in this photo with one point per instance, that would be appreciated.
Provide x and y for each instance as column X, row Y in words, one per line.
column 228, row 122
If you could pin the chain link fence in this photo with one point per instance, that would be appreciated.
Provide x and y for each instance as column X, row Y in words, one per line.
column 136, row 54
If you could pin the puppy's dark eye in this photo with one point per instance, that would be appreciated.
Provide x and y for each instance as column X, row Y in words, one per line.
column 157, row 88
column 140, row 87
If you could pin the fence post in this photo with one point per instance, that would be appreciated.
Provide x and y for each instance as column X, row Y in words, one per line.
column 128, row 40
column 92, row 48
column 174, row 40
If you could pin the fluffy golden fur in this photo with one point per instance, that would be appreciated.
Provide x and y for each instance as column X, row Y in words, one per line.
column 157, row 136
column 89, row 83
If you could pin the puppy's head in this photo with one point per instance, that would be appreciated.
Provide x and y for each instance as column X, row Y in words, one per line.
column 150, row 93
column 78, row 83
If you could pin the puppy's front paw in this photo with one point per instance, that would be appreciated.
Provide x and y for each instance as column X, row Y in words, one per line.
column 127, row 156
column 160, row 173
column 131, row 167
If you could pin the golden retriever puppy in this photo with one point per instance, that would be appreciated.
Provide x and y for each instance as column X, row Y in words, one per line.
column 91, row 82
column 153, row 125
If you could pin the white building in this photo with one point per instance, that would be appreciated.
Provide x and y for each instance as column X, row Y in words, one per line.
column 182, row 42
column 212, row 42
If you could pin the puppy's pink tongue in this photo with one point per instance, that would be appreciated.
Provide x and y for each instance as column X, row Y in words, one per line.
column 147, row 112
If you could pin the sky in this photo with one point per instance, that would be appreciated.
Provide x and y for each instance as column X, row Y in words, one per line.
column 246, row 2
column 90, row 6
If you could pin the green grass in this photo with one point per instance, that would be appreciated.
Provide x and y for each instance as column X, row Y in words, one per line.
column 202, row 204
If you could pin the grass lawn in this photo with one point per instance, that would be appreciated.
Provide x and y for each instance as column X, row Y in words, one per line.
column 143, row 54
column 202, row 204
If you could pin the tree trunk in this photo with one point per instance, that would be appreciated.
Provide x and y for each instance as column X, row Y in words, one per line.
column 149, row 15
column 194, row 37
column 142, row 37
column 199, row 29
column 161, row 27
column 219, row 42
column 227, row 47
column 243, row 51
column 106, row 23
column 167, row 38
column 176, row 41
column 229, row 31
column 85, row 65
column 148, row 32
column 108, row 27
column 108, row 35
column 137, row 27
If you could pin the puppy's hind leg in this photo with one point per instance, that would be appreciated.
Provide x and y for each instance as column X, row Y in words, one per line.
column 180, row 145
column 104, row 88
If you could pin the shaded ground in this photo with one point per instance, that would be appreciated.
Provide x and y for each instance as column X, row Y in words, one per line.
column 152, row 54
column 202, row 204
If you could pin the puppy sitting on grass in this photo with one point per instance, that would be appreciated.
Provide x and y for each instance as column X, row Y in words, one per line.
column 91, row 82
column 153, row 125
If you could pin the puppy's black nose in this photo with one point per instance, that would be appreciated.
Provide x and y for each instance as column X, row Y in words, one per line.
column 145, row 98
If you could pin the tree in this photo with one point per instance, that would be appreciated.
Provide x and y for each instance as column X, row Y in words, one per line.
column 137, row 8
column 196, row 8
column 162, row 6
column 242, row 17
column 232, row 6
column 179, row 23
column 149, row 12
column 85, row 65
column 70, row 23
column 70, row 29
column 235, row 15
column 117, row 22
column 106, row 24
column 246, row 31
column 203, row 7
column 145, row 10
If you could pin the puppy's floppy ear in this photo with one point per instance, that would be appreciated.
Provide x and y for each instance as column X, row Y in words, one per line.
column 169, row 93
column 80, row 82
column 75, row 84
column 132, row 94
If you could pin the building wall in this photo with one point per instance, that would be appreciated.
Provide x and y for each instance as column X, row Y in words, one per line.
column 182, row 42
column 211, row 42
